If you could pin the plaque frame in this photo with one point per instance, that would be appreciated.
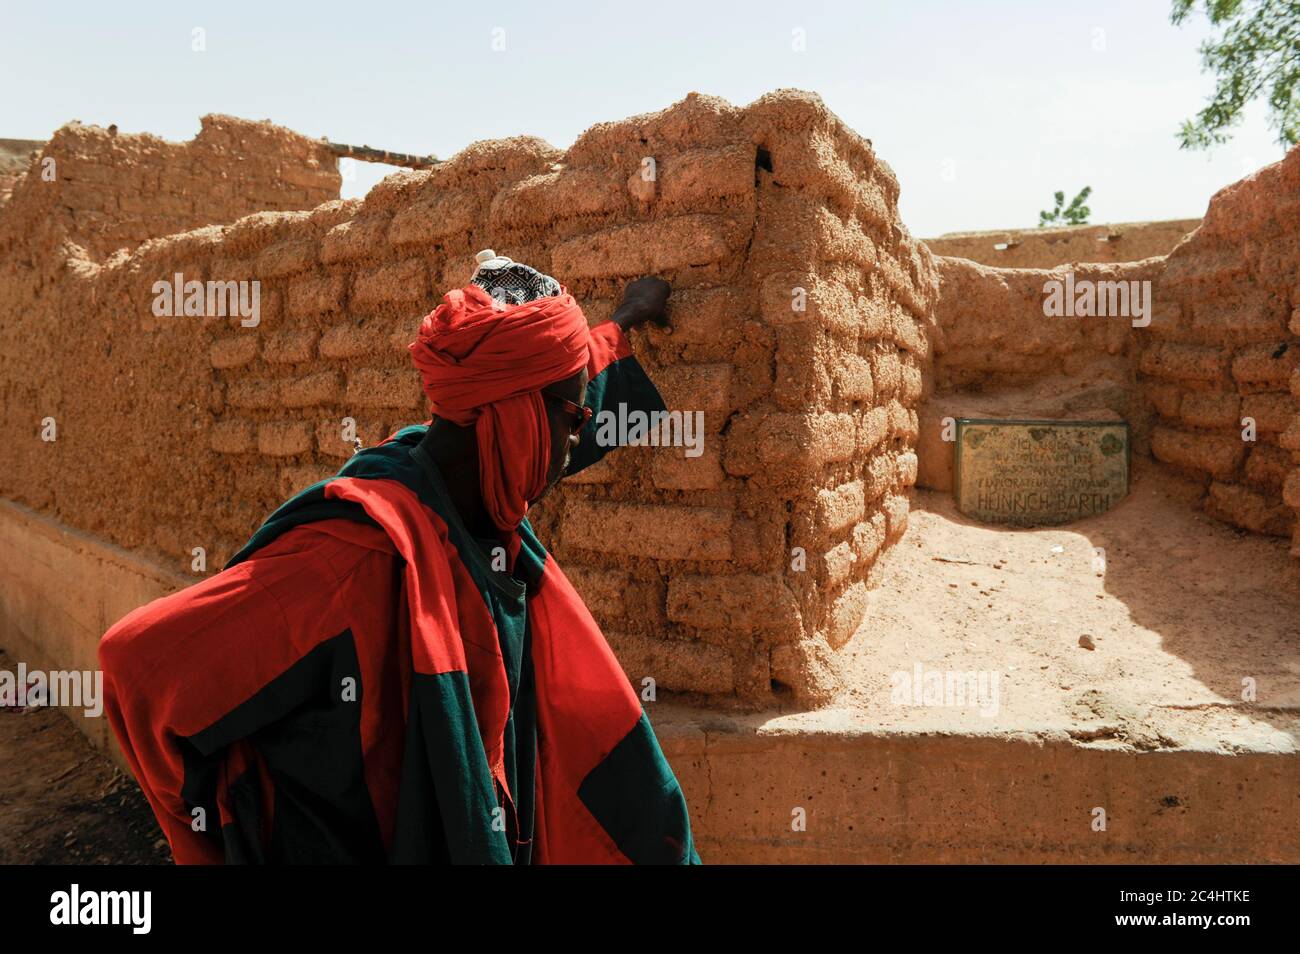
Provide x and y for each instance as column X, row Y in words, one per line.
column 961, row 423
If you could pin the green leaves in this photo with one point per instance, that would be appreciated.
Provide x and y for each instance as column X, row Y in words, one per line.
column 1076, row 213
column 1257, row 53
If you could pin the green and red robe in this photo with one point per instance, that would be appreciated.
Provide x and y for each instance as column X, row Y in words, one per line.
column 361, row 685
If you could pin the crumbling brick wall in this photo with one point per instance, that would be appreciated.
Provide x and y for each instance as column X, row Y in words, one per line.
column 742, row 571
column 104, row 190
column 998, row 354
column 1049, row 247
column 1225, row 346
column 995, row 333
column 801, row 329
column 15, row 156
column 83, row 350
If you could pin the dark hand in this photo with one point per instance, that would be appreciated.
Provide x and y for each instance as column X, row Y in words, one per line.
column 645, row 299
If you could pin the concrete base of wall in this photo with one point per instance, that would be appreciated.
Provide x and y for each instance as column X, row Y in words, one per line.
column 878, row 796
column 867, row 793
column 60, row 590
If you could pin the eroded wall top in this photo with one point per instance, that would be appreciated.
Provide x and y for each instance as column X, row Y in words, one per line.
column 104, row 190
column 15, row 156
column 1046, row 248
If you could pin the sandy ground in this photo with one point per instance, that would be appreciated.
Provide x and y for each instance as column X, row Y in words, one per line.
column 1185, row 609
column 63, row 802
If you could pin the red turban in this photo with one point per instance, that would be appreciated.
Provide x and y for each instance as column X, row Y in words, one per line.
column 484, row 364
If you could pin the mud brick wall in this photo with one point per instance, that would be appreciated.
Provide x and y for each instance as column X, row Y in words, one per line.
column 83, row 347
column 1225, row 345
column 183, row 432
column 741, row 571
column 7, row 183
column 15, row 156
column 997, row 354
column 736, row 573
column 994, row 332
column 106, row 191
column 1047, row 248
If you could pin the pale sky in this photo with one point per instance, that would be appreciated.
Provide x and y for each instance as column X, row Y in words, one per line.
column 982, row 109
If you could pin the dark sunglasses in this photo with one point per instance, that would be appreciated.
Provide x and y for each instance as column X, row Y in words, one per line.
column 580, row 413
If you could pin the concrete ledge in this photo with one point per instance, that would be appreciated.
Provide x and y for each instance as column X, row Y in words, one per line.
column 874, row 796
column 60, row 590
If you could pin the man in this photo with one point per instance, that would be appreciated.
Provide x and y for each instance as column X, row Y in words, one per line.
column 393, row 668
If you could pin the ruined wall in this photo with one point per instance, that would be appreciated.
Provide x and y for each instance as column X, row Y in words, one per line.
column 806, row 353
column 799, row 314
column 999, row 355
column 1222, row 345
column 1225, row 345
column 104, row 190
column 994, row 331
column 1046, row 248
column 15, row 156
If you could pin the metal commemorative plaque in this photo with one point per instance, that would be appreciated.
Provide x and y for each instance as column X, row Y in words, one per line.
column 1040, row 473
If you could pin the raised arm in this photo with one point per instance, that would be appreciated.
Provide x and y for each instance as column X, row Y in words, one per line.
column 614, row 376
